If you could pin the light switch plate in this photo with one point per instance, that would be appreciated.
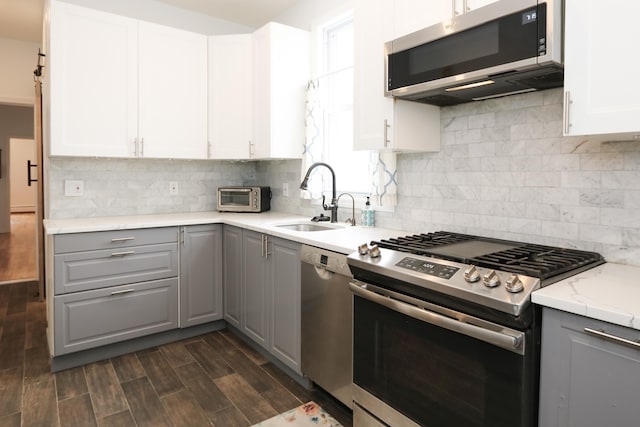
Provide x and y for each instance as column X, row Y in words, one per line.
column 73, row 188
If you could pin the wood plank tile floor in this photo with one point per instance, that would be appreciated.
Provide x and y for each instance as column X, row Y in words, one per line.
column 210, row 380
column 18, row 249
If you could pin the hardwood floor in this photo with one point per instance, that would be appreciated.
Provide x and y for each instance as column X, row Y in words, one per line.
column 213, row 379
column 17, row 249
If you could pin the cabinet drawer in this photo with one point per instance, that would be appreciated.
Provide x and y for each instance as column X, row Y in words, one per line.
column 81, row 271
column 94, row 318
column 65, row 243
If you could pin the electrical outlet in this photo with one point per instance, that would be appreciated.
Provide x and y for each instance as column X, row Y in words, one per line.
column 285, row 189
column 73, row 188
column 173, row 188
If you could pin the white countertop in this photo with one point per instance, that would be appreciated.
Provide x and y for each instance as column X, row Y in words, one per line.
column 344, row 239
column 610, row 292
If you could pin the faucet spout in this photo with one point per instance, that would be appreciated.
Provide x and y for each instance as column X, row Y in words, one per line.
column 333, row 207
column 351, row 220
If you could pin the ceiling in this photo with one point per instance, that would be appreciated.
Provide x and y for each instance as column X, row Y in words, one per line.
column 22, row 19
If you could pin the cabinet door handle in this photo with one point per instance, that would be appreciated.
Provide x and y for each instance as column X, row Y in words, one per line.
column 122, row 239
column 123, row 253
column 141, row 147
column 567, row 114
column 29, row 179
column 124, row 291
column 386, row 133
column 251, row 152
column 613, row 338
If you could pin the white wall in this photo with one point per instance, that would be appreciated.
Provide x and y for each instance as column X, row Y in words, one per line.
column 19, row 59
column 305, row 13
column 162, row 13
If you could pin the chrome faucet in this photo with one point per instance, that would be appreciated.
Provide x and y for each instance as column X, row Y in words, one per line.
column 333, row 207
column 351, row 220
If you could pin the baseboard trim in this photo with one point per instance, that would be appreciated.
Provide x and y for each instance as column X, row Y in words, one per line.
column 80, row 358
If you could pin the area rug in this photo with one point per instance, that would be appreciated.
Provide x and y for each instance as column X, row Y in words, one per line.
column 310, row 414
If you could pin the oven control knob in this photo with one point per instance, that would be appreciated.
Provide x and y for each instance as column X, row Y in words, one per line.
column 471, row 274
column 491, row 279
column 514, row 284
column 374, row 252
column 363, row 249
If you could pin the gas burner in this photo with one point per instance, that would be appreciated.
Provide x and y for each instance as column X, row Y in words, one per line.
column 482, row 272
column 547, row 263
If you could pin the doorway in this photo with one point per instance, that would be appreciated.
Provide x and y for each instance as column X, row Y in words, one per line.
column 18, row 203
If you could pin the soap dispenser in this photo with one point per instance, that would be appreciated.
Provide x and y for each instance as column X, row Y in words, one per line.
column 367, row 214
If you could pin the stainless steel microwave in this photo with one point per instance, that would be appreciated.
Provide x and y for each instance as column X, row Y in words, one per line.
column 244, row 199
column 504, row 48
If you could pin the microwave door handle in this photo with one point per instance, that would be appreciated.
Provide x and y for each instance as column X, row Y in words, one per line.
column 508, row 342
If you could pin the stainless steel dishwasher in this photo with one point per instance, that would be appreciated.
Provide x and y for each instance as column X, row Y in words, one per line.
column 327, row 316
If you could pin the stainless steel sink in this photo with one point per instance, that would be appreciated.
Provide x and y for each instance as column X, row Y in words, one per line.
column 303, row 226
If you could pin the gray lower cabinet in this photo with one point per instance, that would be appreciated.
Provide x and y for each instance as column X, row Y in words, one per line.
column 200, row 274
column 105, row 316
column 112, row 286
column 255, row 289
column 286, row 302
column 590, row 376
column 262, row 291
column 232, row 274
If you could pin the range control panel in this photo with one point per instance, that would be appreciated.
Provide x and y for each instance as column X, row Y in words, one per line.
column 430, row 268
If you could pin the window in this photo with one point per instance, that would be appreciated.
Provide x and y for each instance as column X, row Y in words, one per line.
column 330, row 114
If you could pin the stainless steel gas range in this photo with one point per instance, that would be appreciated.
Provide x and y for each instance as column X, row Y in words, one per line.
column 444, row 332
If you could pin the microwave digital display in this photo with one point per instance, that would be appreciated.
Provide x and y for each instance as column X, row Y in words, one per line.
column 530, row 16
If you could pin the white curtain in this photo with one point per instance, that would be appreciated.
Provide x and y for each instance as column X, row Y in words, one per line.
column 384, row 184
column 382, row 164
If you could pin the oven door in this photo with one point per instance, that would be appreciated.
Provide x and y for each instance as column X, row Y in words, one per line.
column 430, row 366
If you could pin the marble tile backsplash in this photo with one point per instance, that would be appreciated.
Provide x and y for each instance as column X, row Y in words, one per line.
column 140, row 186
column 504, row 171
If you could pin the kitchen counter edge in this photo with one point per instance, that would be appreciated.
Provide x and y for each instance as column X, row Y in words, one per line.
column 609, row 292
column 344, row 239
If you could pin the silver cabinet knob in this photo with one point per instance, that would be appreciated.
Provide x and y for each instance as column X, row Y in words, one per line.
column 363, row 249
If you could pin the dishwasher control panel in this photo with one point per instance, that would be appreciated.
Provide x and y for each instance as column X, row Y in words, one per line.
column 322, row 258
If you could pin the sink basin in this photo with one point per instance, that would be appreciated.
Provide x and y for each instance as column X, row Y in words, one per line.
column 303, row 226
column 306, row 226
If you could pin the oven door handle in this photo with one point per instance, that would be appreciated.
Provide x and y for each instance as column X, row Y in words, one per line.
column 513, row 342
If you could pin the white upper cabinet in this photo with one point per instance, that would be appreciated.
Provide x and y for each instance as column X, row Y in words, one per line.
column 172, row 92
column 414, row 15
column 230, row 96
column 92, row 77
column 379, row 122
column 125, row 88
column 602, row 95
column 281, row 65
column 464, row 6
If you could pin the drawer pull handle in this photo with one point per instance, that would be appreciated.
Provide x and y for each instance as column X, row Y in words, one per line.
column 122, row 239
column 613, row 338
column 124, row 291
column 123, row 253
